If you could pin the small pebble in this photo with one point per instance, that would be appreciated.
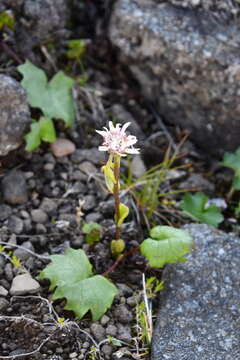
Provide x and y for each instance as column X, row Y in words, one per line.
column 3, row 291
column 98, row 331
column 3, row 304
column 24, row 284
column 62, row 147
column 39, row 216
column 14, row 188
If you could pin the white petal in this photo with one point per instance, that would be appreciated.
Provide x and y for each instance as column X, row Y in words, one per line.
column 131, row 140
column 132, row 151
column 102, row 133
column 103, row 148
column 111, row 126
column 125, row 126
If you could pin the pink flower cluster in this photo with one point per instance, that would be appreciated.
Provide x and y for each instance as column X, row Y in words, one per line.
column 115, row 140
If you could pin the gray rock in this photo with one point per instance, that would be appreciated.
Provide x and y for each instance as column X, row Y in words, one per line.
column 15, row 224
column 14, row 114
column 124, row 333
column 199, row 308
column 39, row 216
column 44, row 20
column 3, row 304
column 14, row 187
column 5, row 212
column 198, row 181
column 49, row 206
column 88, row 168
column 89, row 202
column 94, row 155
column 93, row 217
column 3, row 291
column 111, row 330
column 137, row 166
column 8, row 271
column 21, row 253
column 122, row 314
column 98, row 331
column 24, row 284
column 187, row 62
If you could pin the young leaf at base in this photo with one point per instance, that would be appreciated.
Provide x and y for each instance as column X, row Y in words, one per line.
column 124, row 211
column 72, row 275
column 166, row 245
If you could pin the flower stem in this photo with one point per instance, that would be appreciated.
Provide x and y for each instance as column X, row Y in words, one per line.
column 116, row 195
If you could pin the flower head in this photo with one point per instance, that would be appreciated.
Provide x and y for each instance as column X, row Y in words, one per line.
column 115, row 140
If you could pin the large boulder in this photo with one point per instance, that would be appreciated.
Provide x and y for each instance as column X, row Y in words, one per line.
column 199, row 308
column 14, row 114
column 187, row 61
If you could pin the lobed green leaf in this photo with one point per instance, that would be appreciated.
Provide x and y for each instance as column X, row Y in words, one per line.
column 72, row 278
column 54, row 98
column 196, row 206
column 166, row 245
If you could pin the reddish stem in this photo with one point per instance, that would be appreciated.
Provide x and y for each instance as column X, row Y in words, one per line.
column 119, row 260
column 116, row 196
column 10, row 52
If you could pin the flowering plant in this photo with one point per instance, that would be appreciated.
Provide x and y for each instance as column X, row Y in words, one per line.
column 118, row 144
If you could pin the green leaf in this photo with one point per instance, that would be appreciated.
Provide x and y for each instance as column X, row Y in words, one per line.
column 232, row 160
column 47, row 129
column 7, row 20
column 72, row 275
column 40, row 130
column 94, row 294
column 68, row 268
column 167, row 245
column 33, row 139
column 93, row 232
column 109, row 175
column 196, row 206
column 77, row 49
column 54, row 98
column 124, row 211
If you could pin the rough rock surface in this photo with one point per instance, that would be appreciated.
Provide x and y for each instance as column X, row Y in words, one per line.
column 199, row 308
column 223, row 6
column 187, row 62
column 41, row 21
column 14, row 114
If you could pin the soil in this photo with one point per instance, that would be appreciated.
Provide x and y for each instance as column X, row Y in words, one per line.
column 49, row 221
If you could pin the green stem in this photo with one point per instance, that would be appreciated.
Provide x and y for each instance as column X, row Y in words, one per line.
column 116, row 194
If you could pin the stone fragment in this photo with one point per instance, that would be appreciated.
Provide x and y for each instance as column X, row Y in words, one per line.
column 41, row 20
column 15, row 224
column 39, row 216
column 14, row 114
column 3, row 291
column 49, row 206
column 122, row 314
column 5, row 212
column 187, row 62
column 94, row 155
column 14, row 187
column 3, row 304
column 24, row 284
column 62, row 147
column 137, row 166
column 23, row 254
column 199, row 307
column 98, row 331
